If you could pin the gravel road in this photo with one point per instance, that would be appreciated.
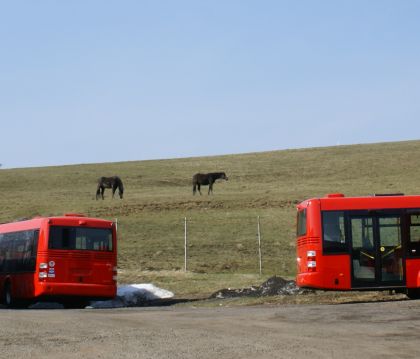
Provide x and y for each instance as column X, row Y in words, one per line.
column 362, row 330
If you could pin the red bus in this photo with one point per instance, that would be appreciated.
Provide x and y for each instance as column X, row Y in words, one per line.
column 359, row 243
column 70, row 258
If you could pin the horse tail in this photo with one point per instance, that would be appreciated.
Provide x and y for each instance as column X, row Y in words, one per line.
column 120, row 185
column 98, row 190
column 121, row 189
column 194, row 183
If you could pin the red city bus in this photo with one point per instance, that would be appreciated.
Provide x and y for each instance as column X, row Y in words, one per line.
column 70, row 258
column 359, row 243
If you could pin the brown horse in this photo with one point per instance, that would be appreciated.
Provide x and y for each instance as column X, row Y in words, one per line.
column 109, row 182
column 205, row 179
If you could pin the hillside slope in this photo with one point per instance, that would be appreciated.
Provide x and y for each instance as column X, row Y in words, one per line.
column 221, row 228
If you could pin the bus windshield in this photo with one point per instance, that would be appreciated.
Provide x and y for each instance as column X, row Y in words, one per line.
column 80, row 238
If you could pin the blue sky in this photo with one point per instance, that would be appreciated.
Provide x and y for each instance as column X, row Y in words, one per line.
column 104, row 81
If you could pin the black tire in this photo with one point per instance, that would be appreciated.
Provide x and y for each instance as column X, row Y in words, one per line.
column 7, row 295
column 413, row 293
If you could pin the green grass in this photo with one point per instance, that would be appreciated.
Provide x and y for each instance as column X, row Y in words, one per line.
column 222, row 229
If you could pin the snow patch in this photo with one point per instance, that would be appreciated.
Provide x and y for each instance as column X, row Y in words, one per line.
column 127, row 296
column 133, row 295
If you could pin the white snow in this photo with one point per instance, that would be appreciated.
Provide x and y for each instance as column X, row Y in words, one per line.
column 146, row 291
column 133, row 294
column 127, row 295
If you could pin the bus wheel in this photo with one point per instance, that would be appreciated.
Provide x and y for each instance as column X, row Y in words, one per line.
column 413, row 293
column 7, row 296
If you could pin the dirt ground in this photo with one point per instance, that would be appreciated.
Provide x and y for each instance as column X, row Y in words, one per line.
column 359, row 330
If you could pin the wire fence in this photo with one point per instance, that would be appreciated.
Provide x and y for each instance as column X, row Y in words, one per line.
column 253, row 244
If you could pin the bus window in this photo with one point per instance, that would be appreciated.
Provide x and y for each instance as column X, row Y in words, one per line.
column 301, row 223
column 79, row 238
column 18, row 251
column 333, row 237
column 414, row 240
column 30, row 251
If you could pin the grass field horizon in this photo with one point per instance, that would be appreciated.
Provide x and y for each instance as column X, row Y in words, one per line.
column 222, row 228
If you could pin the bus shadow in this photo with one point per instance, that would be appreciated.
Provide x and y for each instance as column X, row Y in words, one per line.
column 103, row 305
column 364, row 298
column 163, row 302
column 366, row 301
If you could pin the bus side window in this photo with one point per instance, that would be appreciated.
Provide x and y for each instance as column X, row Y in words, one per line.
column 301, row 223
column 414, row 242
column 29, row 255
column 333, row 233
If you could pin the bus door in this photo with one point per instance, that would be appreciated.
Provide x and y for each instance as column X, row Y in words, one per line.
column 376, row 251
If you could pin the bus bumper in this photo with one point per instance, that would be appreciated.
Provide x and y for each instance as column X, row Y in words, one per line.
column 76, row 290
column 324, row 280
column 309, row 280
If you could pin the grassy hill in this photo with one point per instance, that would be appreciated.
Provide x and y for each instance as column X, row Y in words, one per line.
column 222, row 228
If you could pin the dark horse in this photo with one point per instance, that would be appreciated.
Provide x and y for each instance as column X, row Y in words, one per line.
column 109, row 182
column 206, row 179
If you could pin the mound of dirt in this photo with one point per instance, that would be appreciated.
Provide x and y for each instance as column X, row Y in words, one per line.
column 273, row 286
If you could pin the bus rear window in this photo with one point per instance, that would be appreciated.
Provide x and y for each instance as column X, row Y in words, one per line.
column 333, row 233
column 301, row 223
column 80, row 238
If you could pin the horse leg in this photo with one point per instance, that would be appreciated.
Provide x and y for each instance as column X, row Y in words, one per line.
column 113, row 191
column 194, row 189
column 98, row 192
column 210, row 188
column 199, row 188
column 102, row 192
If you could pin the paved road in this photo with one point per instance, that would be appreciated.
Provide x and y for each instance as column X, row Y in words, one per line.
column 364, row 330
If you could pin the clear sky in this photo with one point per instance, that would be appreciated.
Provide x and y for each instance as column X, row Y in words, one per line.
column 87, row 81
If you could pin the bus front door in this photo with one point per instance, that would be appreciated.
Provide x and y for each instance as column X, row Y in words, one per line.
column 377, row 259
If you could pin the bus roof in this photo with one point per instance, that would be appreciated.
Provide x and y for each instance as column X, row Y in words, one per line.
column 70, row 219
column 338, row 201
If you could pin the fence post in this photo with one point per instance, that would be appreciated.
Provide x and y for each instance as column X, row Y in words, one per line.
column 185, row 244
column 259, row 244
